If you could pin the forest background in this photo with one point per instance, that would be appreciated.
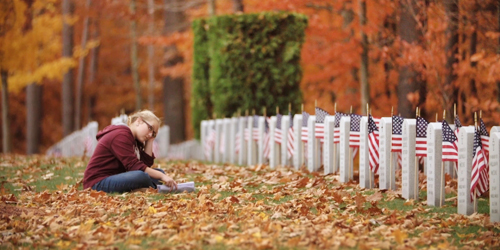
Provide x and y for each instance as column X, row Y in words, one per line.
column 65, row 63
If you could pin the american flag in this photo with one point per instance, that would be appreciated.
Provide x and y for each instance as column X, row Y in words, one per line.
column 485, row 137
column 237, row 142
column 397, row 134
column 320, row 123
column 373, row 144
column 291, row 138
column 479, row 174
column 255, row 128
column 267, row 137
column 458, row 125
column 336, row 132
column 421, row 140
column 210, row 142
column 450, row 148
column 305, row 117
column 277, row 131
column 355, row 134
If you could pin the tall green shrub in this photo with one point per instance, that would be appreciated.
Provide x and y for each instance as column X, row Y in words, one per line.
column 253, row 61
column 201, row 103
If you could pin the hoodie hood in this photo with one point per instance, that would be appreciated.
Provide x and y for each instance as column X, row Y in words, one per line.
column 123, row 127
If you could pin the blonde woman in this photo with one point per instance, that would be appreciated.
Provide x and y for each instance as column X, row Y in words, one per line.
column 123, row 157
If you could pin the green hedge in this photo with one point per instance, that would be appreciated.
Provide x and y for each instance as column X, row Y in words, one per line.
column 253, row 61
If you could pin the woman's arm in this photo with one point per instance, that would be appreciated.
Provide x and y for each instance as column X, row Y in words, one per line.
column 167, row 180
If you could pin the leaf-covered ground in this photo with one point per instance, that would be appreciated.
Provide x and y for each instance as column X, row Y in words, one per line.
column 234, row 207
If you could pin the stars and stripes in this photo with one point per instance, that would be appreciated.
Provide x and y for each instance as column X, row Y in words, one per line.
column 291, row 138
column 305, row 118
column 320, row 123
column 479, row 174
column 373, row 144
column 209, row 143
column 421, row 137
column 336, row 132
column 278, row 132
column 458, row 125
column 255, row 128
column 485, row 137
column 450, row 140
column 354, row 137
column 397, row 134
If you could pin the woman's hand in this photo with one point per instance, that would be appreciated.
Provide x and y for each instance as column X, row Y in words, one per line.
column 169, row 182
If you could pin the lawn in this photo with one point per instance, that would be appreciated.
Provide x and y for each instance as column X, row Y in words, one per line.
column 43, row 205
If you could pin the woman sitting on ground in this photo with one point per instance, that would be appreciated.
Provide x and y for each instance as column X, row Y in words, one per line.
column 123, row 157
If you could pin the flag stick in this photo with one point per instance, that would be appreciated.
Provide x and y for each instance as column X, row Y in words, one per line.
column 277, row 110
column 475, row 200
column 349, row 164
column 416, row 168
column 442, row 183
column 442, row 171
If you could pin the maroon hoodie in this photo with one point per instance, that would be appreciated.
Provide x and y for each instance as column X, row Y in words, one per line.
column 116, row 152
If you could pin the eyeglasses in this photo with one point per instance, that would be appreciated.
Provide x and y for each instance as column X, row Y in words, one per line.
column 150, row 128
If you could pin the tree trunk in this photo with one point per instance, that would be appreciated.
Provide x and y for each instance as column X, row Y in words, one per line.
column 94, row 53
column 211, row 7
column 450, row 92
column 409, row 82
column 33, row 118
column 365, row 88
column 173, row 90
column 67, row 84
column 151, row 69
column 133, row 57
column 81, row 69
column 6, row 140
column 238, row 6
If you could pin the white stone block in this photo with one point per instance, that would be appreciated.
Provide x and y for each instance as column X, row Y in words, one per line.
column 242, row 126
column 494, row 173
column 435, row 183
column 409, row 168
column 465, row 147
column 313, row 154
column 260, row 142
column 328, row 155
column 275, row 149
column 233, row 131
column 226, row 136
column 219, row 127
column 387, row 169
column 298, row 157
column 252, row 144
column 346, row 166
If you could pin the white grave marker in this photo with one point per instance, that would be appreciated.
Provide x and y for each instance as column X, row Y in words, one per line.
column 435, row 185
column 409, row 172
column 313, row 147
column 260, row 142
column 494, row 162
column 233, row 131
column 465, row 147
column 252, row 144
column 219, row 127
column 328, row 145
column 346, row 168
column 242, row 126
column 285, row 127
column 387, row 169
column 274, row 147
column 298, row 158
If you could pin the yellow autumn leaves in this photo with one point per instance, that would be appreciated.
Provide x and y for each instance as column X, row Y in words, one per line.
column 30, row 43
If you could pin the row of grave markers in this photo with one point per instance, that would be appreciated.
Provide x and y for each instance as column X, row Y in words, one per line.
column 245, row 141
column 83, row 142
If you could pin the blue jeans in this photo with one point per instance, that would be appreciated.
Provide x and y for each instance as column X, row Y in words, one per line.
column 126, row 182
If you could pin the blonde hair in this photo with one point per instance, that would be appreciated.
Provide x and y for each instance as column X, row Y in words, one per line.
column 144, row 115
